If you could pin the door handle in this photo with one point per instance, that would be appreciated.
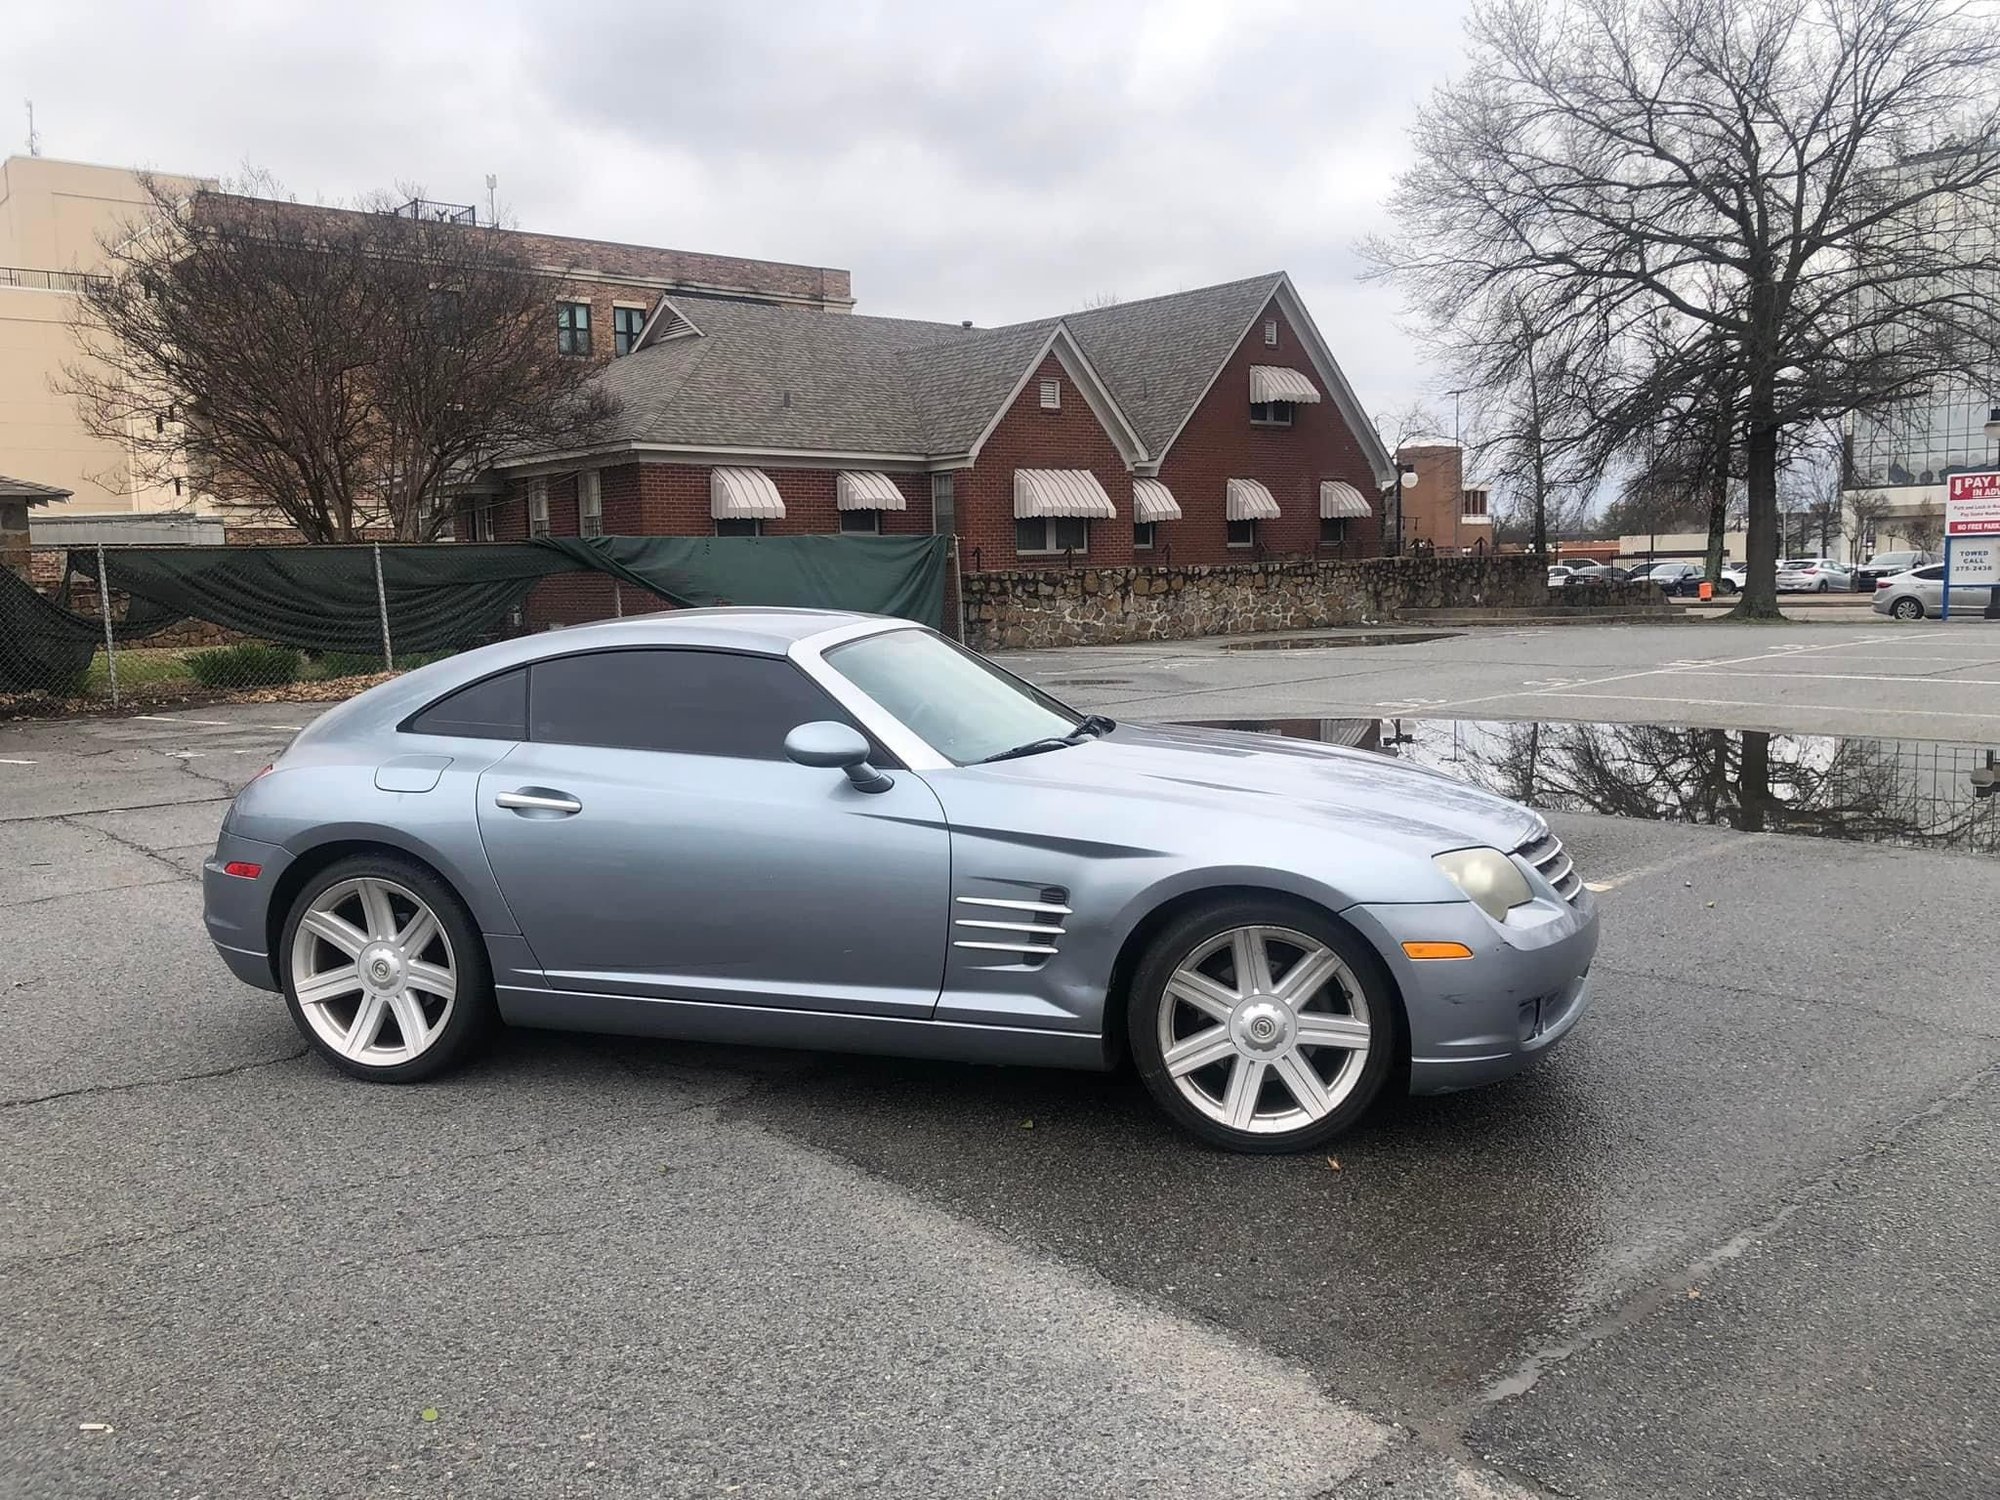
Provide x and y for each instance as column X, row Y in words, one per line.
column 527, row 801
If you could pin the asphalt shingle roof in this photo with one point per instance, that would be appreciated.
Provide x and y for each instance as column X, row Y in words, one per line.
column 27, row 489
column 788, row 378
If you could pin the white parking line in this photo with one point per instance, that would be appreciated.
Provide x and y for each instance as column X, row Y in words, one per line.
column 4, row 762
column 1765, row 703
column 200, row 723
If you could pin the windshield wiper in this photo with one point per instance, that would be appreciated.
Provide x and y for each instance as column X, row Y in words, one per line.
column 1091, row 725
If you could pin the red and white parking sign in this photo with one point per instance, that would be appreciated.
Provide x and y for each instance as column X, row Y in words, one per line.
column 1972, row 505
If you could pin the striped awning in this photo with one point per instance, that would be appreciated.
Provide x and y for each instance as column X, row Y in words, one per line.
column 1338, row 498
column 867, row 490
column 1277, row 383
column 743, row 495
column 1250, row 501
column 1060, row 492
column 1153, row 501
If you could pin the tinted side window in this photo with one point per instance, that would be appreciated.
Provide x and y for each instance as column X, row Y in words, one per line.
column 496, row 709
column 688, row 702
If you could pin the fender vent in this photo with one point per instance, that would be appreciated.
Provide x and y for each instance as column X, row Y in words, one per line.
column 1030, row 929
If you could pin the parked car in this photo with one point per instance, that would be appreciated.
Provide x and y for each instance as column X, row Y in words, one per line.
column 1735, row 576
column 1594, row 573
column 1683, row 579
column 1558, row 575
column 808, row 829
column 1920, row 593
column 1812, row 575
column 1887, row 565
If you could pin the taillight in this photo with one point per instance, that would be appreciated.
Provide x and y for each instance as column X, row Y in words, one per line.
column 242, row 869
column 1881, row 583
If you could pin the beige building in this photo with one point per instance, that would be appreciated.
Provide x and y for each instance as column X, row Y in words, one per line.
column 1441, row 511
column 53, row 218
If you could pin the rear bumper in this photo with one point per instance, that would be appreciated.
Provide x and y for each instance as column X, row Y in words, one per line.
column 236, row 911
column 1477, row 1020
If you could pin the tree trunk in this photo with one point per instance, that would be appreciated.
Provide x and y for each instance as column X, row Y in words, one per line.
column 1718, row 496
column 1760, row 586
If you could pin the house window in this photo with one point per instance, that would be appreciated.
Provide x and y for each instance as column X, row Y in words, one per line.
column 1332, row 531
column 627, row 323
column 573, row 328
column 1051, row 534
column 538, row 507
column 1242, row 533
column 1271, row 413
column 1051, row 395
column 1142, row 534
column 1474, row 508
column 590, row 504
column 739, row 526
column 1271, row 333
column 482, row 523
column 861, row 522
column 944, row 505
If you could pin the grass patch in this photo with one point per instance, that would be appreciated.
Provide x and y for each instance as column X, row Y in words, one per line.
column 136, row 668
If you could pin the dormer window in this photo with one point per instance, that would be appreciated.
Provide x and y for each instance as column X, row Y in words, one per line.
column 1271, row 413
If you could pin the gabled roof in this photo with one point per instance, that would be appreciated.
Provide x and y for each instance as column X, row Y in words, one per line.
column 735, row 376
column 28, row 490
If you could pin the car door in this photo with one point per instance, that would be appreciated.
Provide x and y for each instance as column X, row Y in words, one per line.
column 652, row 839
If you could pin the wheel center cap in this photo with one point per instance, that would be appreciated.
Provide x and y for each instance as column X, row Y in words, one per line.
column 1263, row 1028
column 381, row 969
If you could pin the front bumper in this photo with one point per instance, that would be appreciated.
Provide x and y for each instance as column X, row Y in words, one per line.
column 236, row 911
column 1476, row 1020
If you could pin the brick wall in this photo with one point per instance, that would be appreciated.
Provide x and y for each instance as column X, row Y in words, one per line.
column 1219, row 443
column 1028, row 437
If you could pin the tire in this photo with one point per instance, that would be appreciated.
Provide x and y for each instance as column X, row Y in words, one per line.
column 1907, row 609
column 1822, row 587
column 368, row 970
column 1725, row 588
column 1241, row 1075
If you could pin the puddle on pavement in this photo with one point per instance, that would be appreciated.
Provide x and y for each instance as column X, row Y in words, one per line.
column 1915, row 794
column 1334, row 642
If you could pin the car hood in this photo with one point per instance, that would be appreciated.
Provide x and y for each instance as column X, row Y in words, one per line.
column 1367, row 794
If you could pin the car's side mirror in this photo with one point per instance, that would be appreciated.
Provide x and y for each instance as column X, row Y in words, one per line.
column 825, row 742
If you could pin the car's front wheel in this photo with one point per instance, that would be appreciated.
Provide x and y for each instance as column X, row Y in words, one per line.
column 1725, row 588
column 384, row 970
column 1261, row 1026
column 1907, row 609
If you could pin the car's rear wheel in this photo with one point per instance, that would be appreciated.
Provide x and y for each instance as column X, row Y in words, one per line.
column 1907, row 609
column 384, row 970
column 1823, row 586
column 1725, row 588
column 1262, row 1026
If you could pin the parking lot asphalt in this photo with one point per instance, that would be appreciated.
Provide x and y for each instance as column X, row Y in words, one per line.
column 1736, row 1238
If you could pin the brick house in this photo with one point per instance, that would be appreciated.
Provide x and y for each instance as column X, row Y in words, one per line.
column 1211, row 426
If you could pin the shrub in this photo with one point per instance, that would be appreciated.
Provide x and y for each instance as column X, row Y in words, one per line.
column 252, row 664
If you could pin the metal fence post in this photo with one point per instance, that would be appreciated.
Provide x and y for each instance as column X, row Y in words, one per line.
column 104, row 609
column 382, row 604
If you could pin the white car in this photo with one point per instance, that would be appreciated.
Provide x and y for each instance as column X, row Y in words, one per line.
column 1920, row 593
column 1812, row 575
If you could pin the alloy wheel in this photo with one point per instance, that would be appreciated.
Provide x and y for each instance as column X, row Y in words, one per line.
column 1264, row 1029
column 1908, row 609
column 373, row 971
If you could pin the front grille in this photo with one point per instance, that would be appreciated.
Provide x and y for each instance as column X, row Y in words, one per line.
column 1546, row 855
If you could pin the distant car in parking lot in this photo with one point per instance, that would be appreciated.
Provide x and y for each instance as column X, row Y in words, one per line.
column 1594, row 573
column 1683, row 578
column 1919, row 593
column 1811, row 575
column 1887, row 565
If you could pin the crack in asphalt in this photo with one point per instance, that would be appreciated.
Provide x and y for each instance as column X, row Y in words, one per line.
column 92, row 1090
column 91, row 812
column 1804, row 997
column 1820, row 1187
column 95, row 890
column 68, row 820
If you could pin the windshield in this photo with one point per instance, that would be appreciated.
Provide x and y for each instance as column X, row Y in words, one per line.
column 961, row 705
column 1892, row 559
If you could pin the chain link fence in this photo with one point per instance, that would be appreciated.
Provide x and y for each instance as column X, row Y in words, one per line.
column 74, row 639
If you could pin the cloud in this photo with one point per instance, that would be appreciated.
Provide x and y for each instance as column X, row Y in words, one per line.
column 993, row 161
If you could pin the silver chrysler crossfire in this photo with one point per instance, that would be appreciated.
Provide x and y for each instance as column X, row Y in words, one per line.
column 805, row 829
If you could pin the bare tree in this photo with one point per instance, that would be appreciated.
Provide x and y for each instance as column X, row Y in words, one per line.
column 1769, row 177
column 1925, row 529
column 330, row 370
column 1866, row 510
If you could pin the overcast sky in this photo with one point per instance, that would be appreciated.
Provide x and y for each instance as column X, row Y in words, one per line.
column 986, row 161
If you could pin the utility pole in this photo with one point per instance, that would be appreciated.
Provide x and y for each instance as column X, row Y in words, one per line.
column 34, row 140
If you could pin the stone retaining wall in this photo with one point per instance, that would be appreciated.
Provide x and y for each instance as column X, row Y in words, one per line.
column 1043, row 607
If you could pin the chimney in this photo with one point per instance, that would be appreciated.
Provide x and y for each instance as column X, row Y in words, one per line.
column 965, row 322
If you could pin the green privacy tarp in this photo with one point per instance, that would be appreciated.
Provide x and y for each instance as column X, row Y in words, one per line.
column 890, row 575
column 440, row 595
column 46, row 648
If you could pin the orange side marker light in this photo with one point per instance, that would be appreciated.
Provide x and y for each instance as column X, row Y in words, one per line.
column 1436, row 950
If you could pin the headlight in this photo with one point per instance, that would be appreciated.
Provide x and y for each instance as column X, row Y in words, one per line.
column 1490, row 880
